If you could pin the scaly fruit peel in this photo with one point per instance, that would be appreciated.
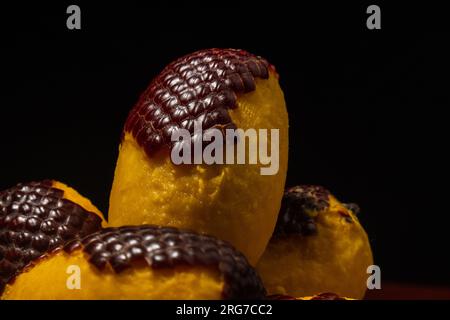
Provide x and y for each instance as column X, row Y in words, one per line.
column 224, row 88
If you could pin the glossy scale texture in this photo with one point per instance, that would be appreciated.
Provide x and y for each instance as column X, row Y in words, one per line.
column 201, row 86
column 233, row 202
column 163, row 247
column 319, row 246
column 36, row 218
column 297, row 210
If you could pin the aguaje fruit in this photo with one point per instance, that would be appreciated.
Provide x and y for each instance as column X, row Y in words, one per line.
column 328, row 296
column 217, row 89
column 320, row 296
column 142, row 262
column 36, row 218
column 318, row 246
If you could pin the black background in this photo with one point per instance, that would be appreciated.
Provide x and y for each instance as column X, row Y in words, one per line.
column 367, row 107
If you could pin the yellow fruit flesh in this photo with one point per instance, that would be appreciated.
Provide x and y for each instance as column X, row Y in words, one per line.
column 49, row 278
column 233, row 202
column 73, row 195
column 333, row 260
column 311, row 297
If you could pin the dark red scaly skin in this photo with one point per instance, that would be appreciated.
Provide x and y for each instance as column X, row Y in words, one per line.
column 165, row 247
column 201, row 86
column 327, row 296
column 321, row 296
column 34, row 220
column 293, row 217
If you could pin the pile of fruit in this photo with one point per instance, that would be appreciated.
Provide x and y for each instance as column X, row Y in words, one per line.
column 199, row 231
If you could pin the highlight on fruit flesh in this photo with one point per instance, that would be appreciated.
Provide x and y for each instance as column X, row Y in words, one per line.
column 39, row 217
column 141, row 262
column 318, row 246
column 221, row 88
column 320, row 296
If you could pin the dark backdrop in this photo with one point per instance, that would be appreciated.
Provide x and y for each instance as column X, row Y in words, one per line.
column 367, row 108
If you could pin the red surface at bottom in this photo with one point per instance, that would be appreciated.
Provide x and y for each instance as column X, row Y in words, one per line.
column 402, row 291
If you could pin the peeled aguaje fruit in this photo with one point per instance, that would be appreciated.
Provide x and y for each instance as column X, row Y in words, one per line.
column 318, row 246
column 53, row 246
column 217, row 88
column 320, row 296
column 36, row 218
column 141, row 262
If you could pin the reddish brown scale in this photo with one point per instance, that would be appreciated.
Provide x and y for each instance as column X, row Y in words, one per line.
column 327, row 296
column 201, row 86
column 34, row 220
column 353, row 207
column 165, row 247
column 280, row 297
column 293, row 217
column 321, row 296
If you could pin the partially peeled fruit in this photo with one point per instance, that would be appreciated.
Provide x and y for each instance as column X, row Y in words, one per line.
column 37, row 218
column 140, row 262
column 220, row 89
column 318, row 245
